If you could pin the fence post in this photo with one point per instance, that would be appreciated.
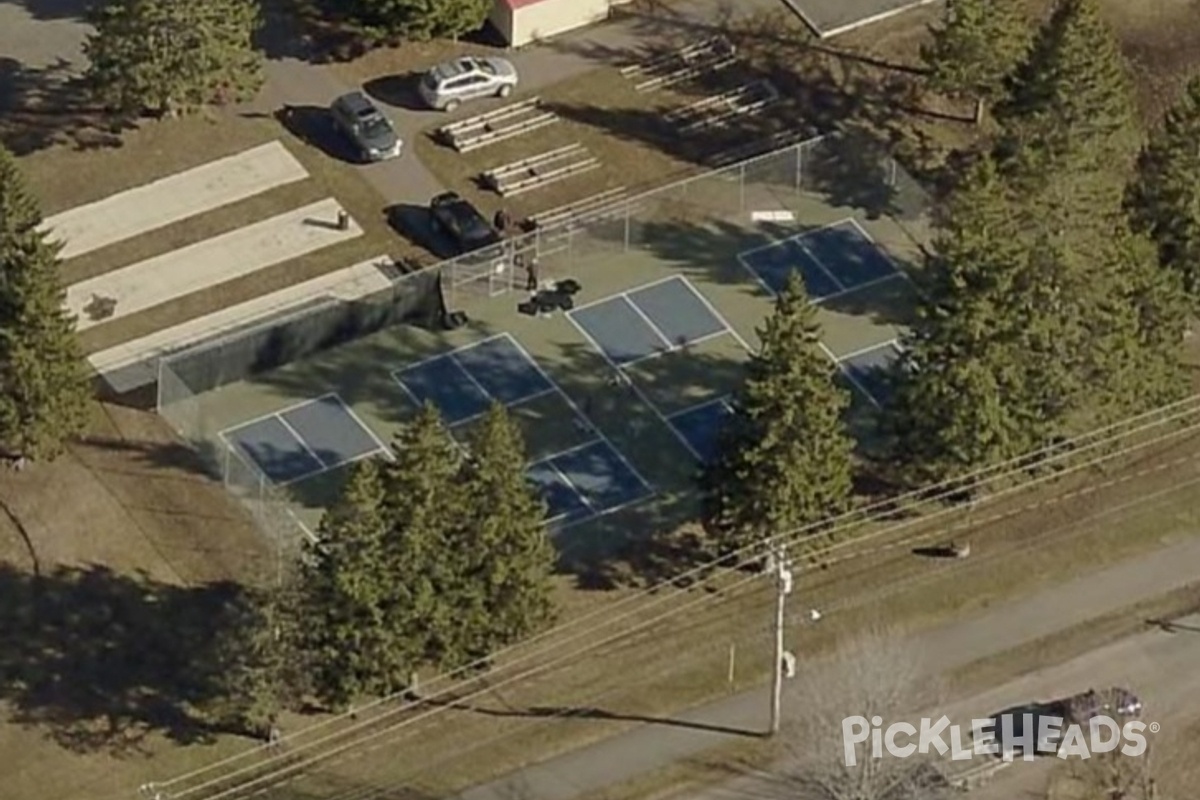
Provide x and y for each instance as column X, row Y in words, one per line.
column 626, row 213
column 799, row 167
column 741, row 188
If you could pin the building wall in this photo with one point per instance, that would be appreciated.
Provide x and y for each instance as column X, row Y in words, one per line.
column 547, row 18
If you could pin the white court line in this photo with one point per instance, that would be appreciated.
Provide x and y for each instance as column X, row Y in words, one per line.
column 320, row 462
column 383, row 448
column 570, row 484
column 269, row 414
column 606, row 512
column 646, row 317
column 674, row 349
column 716, row 313
column 842, row 288
column 864, row 350
column 849, row 377
column 759, row 248
column 703, row 404
column 308, row 533
column 636, row 389
column 755, row 276
column 600, row 439
column 579, row 413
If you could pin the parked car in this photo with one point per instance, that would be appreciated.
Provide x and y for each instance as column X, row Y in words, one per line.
column 462, row 222
column 366, row 126
column 449, row 84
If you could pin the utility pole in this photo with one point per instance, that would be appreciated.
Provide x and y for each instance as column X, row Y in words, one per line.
column 783, row 585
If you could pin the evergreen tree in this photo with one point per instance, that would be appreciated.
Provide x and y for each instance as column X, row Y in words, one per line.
column 264, row 665
column 976, row 46
column 44, row 391
column 970, row 393
column 1164, row 200
column 166, row 57
column 786, row 458
column 1137, row 328
column 1070, row 108
column 419, row 20
column 505, row 558
column 426, row 506
column 347, row 594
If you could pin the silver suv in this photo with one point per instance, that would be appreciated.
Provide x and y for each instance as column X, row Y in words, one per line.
column 447, row 85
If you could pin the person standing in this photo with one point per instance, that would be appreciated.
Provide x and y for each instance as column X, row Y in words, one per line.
column 502, row 222
column 531, row 274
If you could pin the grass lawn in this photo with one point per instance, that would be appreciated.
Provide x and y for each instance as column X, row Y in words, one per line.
column 122, row 571
column 63, row 178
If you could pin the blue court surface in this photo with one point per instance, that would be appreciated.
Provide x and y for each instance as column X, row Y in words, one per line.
column 700, row 426
column 869, row 370
column 586, row 482
column 649, row 320
column 304, row 440
column 833, row 259
column 464, row 383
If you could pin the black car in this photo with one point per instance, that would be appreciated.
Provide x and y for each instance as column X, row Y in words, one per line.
column 366, row 126
column 462, row 222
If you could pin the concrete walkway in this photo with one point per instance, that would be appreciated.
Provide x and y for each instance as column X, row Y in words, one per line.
column 211, row 262
column 650, row 747
column 162, row 202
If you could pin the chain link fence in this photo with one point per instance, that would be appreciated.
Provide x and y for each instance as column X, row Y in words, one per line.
column 836, row 170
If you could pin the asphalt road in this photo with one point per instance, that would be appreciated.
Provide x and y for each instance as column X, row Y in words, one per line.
column 1158, row 665
column 653, row 746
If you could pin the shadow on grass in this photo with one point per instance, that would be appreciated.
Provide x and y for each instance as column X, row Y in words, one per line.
column 44, row 107
column 591, row 713
column 103, row 660
column 55, row 9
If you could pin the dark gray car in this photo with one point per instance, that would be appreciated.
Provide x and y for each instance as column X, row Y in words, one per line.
column 366, row 126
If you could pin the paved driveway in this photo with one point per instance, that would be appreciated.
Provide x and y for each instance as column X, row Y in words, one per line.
column 42, row 33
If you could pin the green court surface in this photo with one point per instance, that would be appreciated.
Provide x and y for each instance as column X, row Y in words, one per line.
column 548, row 422
column 592, row 396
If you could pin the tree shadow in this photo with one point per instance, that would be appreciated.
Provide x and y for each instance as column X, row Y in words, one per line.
column 55, row 9
column 102, row 660
column 44, row 107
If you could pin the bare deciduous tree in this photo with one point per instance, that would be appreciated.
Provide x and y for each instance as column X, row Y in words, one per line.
column 876, row 674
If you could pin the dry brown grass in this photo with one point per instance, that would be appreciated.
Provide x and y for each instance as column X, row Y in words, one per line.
column 135, row 506
column 63, row 178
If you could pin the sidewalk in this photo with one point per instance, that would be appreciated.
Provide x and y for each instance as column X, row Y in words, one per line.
column 650, row 747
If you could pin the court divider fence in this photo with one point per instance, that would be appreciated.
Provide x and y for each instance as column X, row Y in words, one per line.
column 839, row 170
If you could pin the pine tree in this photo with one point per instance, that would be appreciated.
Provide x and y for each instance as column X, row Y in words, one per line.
column 44, row 393
column 1164, row 200
column 1136, row 329
column 970, row 394
column 265, row 667
column 786, row 458
column 167, row 57
column 426, row 508
column 505, row 558
column 419, row 20
column 1070, row 107
column 976, row 46
column 347, row 594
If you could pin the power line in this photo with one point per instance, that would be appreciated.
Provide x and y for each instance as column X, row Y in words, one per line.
column 1098, row 438
column 760, row 636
